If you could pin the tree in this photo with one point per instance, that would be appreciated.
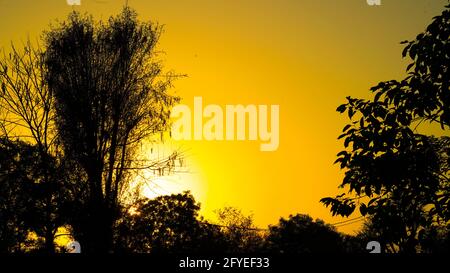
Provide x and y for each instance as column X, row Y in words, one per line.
column 14, row 198
column 30, row 200
column 110, row 95
column 239, row 231
column 300, row 234
column 27, row 114
column 167, row 224
column 395, row 175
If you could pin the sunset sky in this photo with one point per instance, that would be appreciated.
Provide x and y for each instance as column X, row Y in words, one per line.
column 304, row 55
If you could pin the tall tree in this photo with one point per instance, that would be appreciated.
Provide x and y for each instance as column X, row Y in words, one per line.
column 394, row 174
column 27, row 114
column 110, row 95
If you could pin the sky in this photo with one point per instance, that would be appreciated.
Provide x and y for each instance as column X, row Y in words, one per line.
column 304, row 55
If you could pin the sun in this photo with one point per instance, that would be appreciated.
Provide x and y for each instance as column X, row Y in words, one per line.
column 185, row 176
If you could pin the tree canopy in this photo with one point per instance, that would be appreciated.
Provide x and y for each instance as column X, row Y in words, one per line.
column 393, row 173
column 110, row 95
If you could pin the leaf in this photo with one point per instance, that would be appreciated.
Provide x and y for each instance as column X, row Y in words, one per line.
column 341, row 136
column 346, row 127
column 351, row 112
column 341, row 108
column 363, row 209
column 410, row 66
column 327, row 201
column 338, row 160
column 347, row 142
column 413, row 52
column 405, row 51
column 377, row 96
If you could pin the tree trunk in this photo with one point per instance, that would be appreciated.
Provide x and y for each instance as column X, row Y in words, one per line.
column 49, row 245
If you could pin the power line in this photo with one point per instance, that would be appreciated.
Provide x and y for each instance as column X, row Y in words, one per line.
column 237, row 227
column 348, row 220
column 338, row 224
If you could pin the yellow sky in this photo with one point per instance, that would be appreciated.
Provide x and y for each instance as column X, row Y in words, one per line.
column 305, row 56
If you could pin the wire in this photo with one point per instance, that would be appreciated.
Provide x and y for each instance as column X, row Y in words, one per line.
column 349, row 223
column 230, row 227
column 346, row 221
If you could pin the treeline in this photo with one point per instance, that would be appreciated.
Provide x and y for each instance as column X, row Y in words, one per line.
column 166, row 224
column 31, row 207
column 171, row 224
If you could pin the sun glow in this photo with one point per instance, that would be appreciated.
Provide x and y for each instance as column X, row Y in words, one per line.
column 172, row 184
column 183, row 176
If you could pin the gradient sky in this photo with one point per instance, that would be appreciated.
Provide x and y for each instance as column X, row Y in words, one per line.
column 305, row 55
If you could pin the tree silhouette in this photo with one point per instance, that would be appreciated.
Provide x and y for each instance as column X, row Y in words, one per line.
column 14, row 197
column 394, row 174
column 27, row 114
column 167, row 224
column 300, row 234
column 31, row 200
column 239, row 232
column 110, row 95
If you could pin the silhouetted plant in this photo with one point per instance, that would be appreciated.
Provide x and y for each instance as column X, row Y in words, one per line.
column 167, row 224
column 26, row 113
column 31, row 201
column 239, row 231
column 395, row 175
column 110, row 95
column 300, row 234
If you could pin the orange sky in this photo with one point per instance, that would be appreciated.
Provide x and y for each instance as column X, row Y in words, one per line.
column 305, row 56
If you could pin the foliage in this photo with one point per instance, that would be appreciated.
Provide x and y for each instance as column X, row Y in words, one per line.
column 395, row 175
column 110, row 95
column 29, row 202
column 240, row 234
column 167, row 224
column 300, row 234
